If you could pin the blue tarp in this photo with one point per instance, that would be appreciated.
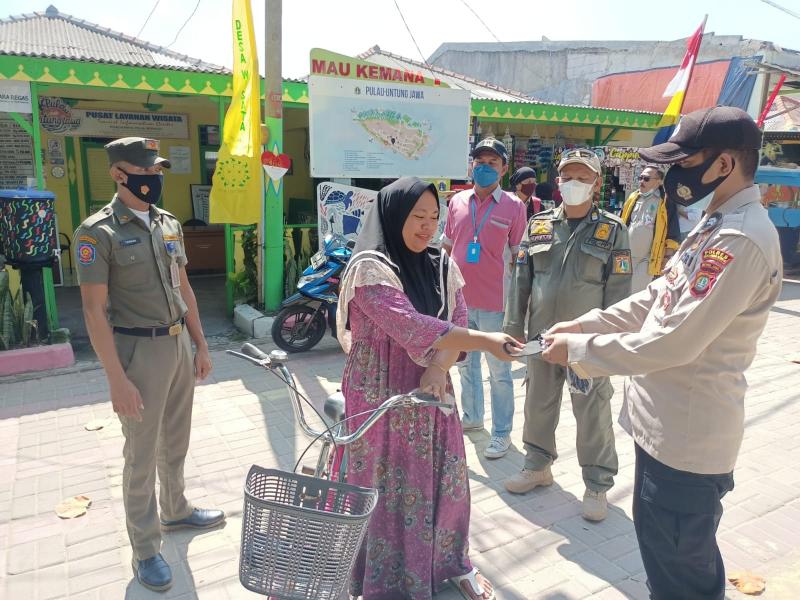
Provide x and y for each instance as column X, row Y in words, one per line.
column 738, row 85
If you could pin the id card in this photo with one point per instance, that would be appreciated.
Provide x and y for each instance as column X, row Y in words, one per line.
column 473, row 252
column 174, row 274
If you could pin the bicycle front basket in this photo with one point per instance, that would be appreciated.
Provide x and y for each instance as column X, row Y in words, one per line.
column 301, row 535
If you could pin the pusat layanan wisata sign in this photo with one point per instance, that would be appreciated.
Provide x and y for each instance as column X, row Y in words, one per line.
column 58, row 117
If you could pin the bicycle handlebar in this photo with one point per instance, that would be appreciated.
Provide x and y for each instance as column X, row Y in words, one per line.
column 252, row 354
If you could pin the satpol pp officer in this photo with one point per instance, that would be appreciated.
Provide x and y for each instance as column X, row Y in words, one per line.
column 140, row 313
column 573, row 258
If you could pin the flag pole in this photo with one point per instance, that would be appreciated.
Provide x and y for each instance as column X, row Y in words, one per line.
column 694, row 62
column 272, row 209
column 771, row 101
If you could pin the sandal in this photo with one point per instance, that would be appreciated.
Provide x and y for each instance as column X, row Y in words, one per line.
column 477, row 589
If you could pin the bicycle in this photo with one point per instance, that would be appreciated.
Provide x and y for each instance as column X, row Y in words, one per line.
column 301, row 533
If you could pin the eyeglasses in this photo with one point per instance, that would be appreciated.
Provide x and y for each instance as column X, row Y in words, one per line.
column 644, row 178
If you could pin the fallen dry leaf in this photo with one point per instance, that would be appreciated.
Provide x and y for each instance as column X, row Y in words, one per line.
column 73, row 507
column 747, row 582
column 96, row 424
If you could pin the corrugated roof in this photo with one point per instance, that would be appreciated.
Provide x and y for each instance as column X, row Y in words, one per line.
column 52, row 34
column 481, row 90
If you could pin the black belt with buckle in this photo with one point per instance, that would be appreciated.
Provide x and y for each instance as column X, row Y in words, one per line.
column 173, row 329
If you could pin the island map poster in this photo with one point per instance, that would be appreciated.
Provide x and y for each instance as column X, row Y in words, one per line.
column 374, row 121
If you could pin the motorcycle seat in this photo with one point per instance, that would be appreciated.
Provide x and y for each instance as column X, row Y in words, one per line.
column 334, row 407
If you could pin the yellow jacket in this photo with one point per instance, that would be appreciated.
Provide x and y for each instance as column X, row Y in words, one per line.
column 666, row 231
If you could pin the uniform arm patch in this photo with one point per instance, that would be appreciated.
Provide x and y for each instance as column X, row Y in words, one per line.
column 622, row 262
column 87, row 253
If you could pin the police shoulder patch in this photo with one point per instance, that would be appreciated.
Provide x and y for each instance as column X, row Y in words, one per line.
column 702, row 283
column 522, row 255
column 622, row 262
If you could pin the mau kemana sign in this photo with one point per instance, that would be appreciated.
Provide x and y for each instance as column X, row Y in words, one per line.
column 374, row 121
column 330, row 64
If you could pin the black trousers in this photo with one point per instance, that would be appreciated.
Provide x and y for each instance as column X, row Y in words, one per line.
column 676, row 515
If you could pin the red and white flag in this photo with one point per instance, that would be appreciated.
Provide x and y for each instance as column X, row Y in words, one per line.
column 676, row 89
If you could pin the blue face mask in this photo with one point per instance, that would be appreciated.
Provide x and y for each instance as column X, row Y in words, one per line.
column 484, row 175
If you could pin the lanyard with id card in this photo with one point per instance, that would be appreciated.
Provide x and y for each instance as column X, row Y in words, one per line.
column 474, row 248
column 174, row 271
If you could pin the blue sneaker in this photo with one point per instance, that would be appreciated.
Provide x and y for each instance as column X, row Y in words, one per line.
column 153, row 573
column 201, row 518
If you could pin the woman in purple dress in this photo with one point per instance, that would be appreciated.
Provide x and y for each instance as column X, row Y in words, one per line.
column 402, row 321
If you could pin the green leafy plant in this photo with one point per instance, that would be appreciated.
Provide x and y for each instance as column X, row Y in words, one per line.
column 245, row 282
column 18, row 328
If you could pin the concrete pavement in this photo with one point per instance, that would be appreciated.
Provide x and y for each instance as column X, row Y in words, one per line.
column 532, row 546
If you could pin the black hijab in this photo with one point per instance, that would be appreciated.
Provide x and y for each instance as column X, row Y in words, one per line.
column 382, row 232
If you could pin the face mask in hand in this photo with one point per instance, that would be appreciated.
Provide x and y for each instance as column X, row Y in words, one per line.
column 575, row 192
column 146, row 188
column 685, row 185
column 484, row 175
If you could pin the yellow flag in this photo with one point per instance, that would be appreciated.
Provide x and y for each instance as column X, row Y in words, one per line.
column 236, row 192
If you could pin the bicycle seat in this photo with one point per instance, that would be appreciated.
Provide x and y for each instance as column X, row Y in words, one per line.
column 334, row 407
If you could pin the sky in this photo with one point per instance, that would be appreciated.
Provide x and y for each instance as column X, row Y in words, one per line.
column 351, row 27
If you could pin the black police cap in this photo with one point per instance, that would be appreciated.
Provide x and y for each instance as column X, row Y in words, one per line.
column 720, row 128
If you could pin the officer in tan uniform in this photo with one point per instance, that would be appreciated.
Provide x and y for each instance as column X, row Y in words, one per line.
column 573, row 258
column 140, row 313
column 685, row 341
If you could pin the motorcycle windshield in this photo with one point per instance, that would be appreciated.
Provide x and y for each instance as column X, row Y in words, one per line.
column 334, row 242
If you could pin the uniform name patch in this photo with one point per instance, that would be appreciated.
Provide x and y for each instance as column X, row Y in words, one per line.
column 622, row 262
column 87, row 238
column 604, row 245
column 86, row 253
column 541, row 238
column 130, row 242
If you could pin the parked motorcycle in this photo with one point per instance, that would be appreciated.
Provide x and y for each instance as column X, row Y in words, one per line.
column 301, row 323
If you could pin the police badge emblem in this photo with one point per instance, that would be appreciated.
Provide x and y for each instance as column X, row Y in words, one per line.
column 684, row 192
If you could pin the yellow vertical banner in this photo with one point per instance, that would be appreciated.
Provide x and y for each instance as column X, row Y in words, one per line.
column 236, row 192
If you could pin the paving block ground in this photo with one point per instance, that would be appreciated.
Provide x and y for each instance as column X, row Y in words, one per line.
column 535, row 546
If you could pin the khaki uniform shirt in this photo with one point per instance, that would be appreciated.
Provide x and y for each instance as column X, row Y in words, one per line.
column 687, row 339
column 559, row 274
column 114, row 247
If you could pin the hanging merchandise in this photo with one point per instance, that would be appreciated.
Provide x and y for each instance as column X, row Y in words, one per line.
column 289, row 263
column 534, row 152
column 305, row 250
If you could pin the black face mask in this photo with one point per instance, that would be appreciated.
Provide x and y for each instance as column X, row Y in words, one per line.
column 684, row 185
column 146, row 188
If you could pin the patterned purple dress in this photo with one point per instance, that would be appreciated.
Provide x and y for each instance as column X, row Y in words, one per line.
column 418, row 535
